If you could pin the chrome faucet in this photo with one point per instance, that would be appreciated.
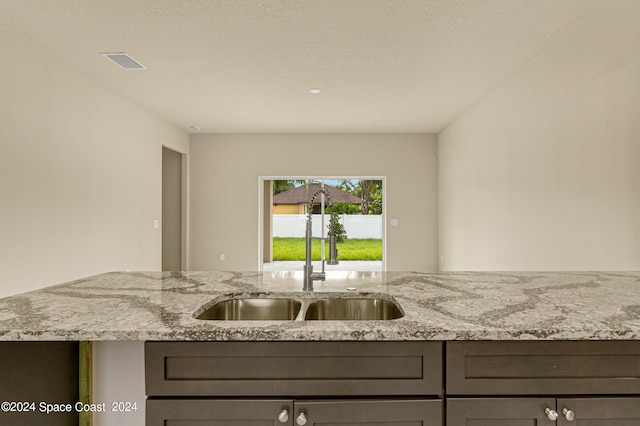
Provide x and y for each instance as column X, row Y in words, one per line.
column 309, row 275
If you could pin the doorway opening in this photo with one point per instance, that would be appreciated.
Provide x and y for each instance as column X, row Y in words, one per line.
column 358, row 207
column 173, row 210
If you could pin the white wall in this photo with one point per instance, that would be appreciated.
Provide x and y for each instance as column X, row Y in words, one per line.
column 80, row 185
column 544, row 173
column 80, row 175
column 225, row 171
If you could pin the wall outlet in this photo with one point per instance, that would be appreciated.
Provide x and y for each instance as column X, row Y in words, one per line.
column 394, row 222
column 221, row 257
column 156, row 223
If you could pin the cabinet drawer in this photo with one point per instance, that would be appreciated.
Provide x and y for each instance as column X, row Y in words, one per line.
column 293, row 368
column 543, row 368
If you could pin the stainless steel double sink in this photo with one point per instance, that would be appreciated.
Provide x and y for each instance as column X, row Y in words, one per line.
column 301, row 307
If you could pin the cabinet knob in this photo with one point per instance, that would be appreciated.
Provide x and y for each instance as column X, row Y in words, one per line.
column 283, row 416
column 301, row 419
column 551, row 414
column 568, row 414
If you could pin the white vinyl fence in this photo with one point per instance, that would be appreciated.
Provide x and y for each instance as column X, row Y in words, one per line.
column 356, row 226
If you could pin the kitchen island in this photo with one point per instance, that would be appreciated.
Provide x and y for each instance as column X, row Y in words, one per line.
column 437, row 306
column 480, row 348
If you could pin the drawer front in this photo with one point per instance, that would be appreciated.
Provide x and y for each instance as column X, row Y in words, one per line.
column 543, row 368
column 293, row 368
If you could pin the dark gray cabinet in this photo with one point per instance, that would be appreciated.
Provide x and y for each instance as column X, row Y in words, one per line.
column 611, row 411
column 499, row 411
column 38, row 372
column 224, row 412
column 294, row 383
column 543, row 411
column 494, row 383
column 371, row 412
column 340, row 412
column 543, row 368
column 293, row 368
column 393, row 383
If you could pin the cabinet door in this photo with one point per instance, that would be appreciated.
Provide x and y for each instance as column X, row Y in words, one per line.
column 185, row 412
column 406, row 412
column 599, row 412
column 499, row 411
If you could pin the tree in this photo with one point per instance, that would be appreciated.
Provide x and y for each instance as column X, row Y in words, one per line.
column 344, row 208
column 369, row 191
column 375, row 207
column 285, row 185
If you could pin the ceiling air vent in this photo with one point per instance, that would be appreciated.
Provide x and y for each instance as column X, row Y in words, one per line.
column 125, row 61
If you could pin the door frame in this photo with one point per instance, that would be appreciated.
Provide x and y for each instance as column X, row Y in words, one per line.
column 262, row 209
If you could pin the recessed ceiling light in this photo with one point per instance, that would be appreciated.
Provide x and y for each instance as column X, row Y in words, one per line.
column 195, row 128
column 314, row 91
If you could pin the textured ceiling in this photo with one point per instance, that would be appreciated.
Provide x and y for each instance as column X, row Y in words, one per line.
column 248, row 65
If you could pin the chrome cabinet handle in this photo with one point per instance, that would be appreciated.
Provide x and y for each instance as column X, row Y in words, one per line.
column 551, row 414
column 301, row 419
column 283, row 416
column 568, row 414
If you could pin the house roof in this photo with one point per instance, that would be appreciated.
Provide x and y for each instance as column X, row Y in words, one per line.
column 302, row 195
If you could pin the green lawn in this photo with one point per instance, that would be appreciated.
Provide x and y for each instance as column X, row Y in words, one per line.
column 350, row 249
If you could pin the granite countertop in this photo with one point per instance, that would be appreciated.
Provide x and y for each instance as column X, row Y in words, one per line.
column 437, row 306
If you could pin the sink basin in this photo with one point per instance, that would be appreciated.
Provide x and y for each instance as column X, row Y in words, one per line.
column 298, row 306
column 353, row 309
column 261, row 309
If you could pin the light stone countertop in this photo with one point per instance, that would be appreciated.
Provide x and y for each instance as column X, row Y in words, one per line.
column 437, row 306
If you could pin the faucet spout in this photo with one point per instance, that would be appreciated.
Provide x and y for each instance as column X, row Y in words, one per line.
column 309, row 275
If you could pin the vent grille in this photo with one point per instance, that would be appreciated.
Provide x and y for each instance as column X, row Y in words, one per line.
column 124, row 61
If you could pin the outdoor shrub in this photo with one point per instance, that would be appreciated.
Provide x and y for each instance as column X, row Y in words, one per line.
column 340, row 232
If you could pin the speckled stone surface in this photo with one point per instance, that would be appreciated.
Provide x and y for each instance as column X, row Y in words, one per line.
column 437, row 306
